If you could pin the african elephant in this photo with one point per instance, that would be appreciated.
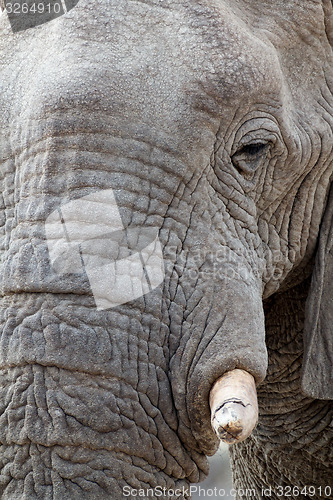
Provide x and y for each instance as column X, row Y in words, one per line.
column 210, row 123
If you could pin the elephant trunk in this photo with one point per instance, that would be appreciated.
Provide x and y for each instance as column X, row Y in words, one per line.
column 228, row 342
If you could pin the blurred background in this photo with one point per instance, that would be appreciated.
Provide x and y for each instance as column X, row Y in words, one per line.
column 219, row 476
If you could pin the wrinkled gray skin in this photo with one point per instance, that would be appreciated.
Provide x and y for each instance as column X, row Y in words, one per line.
column 158, row 100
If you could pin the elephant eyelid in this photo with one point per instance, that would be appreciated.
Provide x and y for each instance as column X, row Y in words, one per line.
column 250, row 157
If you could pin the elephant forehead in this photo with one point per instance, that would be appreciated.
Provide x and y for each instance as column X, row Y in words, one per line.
column 119, row 64
column 143, row 59
column 234, row 58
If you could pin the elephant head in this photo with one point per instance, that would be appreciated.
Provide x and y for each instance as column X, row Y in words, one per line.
column 165, row 168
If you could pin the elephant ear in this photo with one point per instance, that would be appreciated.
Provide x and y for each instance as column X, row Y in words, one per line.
column 328, row 16
column 317, row 372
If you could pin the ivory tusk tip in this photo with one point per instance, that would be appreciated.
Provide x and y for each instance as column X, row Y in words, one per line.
column 233, row 422
column 234, row 406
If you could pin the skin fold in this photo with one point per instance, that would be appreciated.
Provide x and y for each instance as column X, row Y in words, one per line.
column 211, row 121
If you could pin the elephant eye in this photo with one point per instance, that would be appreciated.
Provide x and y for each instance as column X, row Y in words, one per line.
column 250, row 157
column 253, row 149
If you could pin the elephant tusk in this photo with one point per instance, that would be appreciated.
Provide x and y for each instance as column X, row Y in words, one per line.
column 234, row 406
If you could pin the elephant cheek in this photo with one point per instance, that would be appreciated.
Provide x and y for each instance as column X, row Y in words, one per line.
column 230, row 336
